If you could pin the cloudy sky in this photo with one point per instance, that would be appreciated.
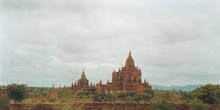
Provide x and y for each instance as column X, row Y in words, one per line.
column 174, row 42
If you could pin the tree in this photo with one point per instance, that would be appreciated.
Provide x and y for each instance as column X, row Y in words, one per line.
column 92, row 90
column 129, row 99
column 138, row 97
column 209, row 93
column 185, row 95
column 111, row 97
column 82, row 95
column 64, row 93
column 39, row 91
column 17, row 92
column 101, row 97
column 130, row 93
column 148, row 95
column 4, row 103
column 96, row 98
column 162, row 105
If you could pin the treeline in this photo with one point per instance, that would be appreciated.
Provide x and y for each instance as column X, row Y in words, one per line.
column 203, row 97
column 127, row 97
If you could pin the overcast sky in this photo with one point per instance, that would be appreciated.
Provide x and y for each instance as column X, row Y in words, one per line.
column 174, row 42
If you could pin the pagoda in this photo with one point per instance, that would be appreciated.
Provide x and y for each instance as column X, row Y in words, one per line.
column 127, row 78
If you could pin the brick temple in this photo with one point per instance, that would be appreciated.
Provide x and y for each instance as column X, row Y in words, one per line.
column 82, row 84
column 127, row 78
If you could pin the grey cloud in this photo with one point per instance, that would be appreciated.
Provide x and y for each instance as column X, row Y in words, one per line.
column 49, row 41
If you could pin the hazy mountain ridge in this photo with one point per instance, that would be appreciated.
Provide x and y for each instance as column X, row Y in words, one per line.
column 183, row 88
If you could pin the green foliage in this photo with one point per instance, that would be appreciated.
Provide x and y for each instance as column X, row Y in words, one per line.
column 38, row 91
column 68, row 106
column 138, row 97
column 4, row 103
column 96, row 98
column 52, row 100
column 162, row 105
column 101, row 97
column 131, row 96
column 149, row 91
column 111, row 97
column 43, row 107
column 92, row 90
column 167, row 95
column 209, row 93
column 130, row 93
column 148, row 95
column 186, row 95
column 202, row 98
column 17, row 92
column 82, row 95
column 126, row 94
column 64, row 93
column 199, row 106
column 129, row 99
column 86, row 94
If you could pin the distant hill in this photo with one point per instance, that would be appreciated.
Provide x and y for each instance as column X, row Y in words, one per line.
column 183, row 88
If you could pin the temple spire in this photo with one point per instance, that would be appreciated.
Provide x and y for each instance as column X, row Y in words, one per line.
column 129, row 61
column 129, row 53
column 100, row 82
column 83, row 74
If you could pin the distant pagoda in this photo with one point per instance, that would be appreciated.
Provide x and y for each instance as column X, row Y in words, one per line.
column 82, row 84
column 53, row 94
column 127, row 78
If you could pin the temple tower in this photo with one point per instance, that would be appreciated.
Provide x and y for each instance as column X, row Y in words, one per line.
column 53, row 94
column 129, row 65
column 82, row 83
column 127, row 78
